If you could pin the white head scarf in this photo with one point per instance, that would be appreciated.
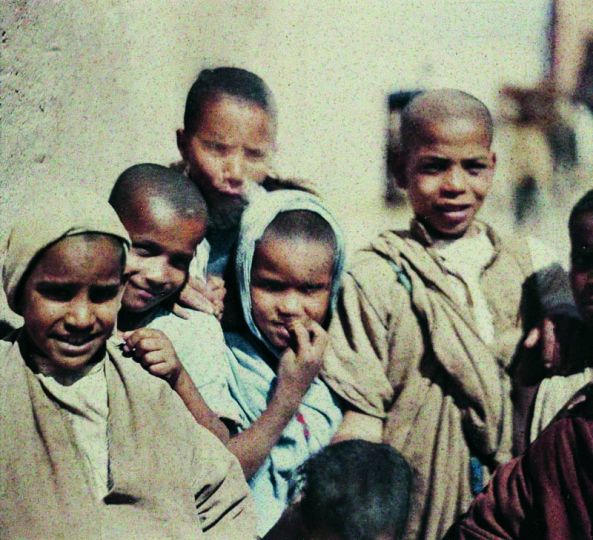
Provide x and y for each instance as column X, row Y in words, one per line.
column 256, row 218
column 44, row 223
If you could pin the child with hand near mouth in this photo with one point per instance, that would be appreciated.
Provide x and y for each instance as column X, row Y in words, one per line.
column 289, row 259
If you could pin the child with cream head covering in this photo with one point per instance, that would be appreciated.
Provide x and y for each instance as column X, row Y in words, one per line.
column 91, row 445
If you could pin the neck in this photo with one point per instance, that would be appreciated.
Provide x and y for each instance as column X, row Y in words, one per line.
column 132, row 320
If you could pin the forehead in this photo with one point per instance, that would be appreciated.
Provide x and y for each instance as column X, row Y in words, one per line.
column 81, row 258
column 293, row 256
column 155, row 220
column 223, row 115
column 461, row 134
column 581, row 234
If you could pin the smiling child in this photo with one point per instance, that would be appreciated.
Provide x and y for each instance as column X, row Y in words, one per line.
column 91, row 445
column 429, row 318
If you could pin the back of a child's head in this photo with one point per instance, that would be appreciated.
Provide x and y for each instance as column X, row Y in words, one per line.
column 144, row 184
column 356, row 490
column 438, row 106
column 230, row 81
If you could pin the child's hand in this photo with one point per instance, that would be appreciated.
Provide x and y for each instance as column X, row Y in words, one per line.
column 301, row 362
column 201, row 296
column 153, row 349
column 550, row 335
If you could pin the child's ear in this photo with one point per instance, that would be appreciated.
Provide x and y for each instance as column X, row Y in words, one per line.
column 493, row 158
column 182, row 142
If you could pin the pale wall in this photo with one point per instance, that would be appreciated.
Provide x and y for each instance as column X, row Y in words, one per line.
column 91, row 87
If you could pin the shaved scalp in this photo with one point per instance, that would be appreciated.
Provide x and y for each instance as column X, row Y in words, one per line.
column 435, row 106
column 148, row 182
column 301, row 225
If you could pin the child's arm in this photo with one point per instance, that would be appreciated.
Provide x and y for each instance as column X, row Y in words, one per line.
column 153, row 349
column 296, row 371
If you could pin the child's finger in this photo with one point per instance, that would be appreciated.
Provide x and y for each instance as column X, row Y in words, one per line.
column 155, row 357
column 149, row 344
column 316, row 332
column 182, row 313
column 160, row 369
column 532, row 338
column 195, row 300
column 215, row 282
column 301, row 335
column 196, row 284
column 133, row 338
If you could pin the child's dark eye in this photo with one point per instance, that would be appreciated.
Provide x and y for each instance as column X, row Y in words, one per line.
column 314, row 288
column 270, row 286
column 142, row 251
column 181, row 263
column 433, row 167
column 100, row 294
column 218, row 148
column 582, row 260
column 58, row 293
column 255, row 154
column 475, row 168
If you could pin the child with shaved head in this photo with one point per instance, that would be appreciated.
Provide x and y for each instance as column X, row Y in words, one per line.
column 429, row 318
column 166, row 218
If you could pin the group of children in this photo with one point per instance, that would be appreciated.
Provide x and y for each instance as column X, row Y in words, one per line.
column 221, row 283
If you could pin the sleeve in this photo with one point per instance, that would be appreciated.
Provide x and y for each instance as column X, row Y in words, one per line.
column 500, row 510
column 357, row 356
column 545, row 493
column 223, row 500
column 551, row 278
column 200, row 346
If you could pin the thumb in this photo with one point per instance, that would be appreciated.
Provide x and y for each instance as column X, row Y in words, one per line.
column 532, row 338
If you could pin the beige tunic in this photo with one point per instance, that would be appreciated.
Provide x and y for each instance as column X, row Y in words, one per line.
column 167, row 477
column 418, row 361
column 555, row 392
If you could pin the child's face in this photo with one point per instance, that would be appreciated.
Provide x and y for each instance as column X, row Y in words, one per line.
column 230, row 147
column 448, row 173
column 70, row 301
column 290, row 280
column 163, row 245
column 581, row 268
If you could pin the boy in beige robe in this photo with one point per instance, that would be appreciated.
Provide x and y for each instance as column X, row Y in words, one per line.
column 429, row 319
column 91, row 445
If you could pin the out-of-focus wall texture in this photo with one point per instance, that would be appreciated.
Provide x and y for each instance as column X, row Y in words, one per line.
column 89, row 88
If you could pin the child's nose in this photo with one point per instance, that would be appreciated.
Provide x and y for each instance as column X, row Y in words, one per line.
column 157, row 271
column 455, row 180
column 290, row 305
column 80, row 314
column 233, row 169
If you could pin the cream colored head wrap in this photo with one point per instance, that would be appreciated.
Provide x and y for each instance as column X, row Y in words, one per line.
column 45, row 222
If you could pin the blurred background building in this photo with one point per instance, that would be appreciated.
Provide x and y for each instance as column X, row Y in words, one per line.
column 89, row 88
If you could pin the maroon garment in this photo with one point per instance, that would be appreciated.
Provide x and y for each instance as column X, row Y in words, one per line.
column 545, row 493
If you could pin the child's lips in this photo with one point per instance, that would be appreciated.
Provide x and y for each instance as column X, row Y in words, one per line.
column 147, row 294
column 76, row 344
column 454, row 213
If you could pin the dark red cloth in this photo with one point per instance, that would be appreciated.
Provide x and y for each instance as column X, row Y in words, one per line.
column 545, row 493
